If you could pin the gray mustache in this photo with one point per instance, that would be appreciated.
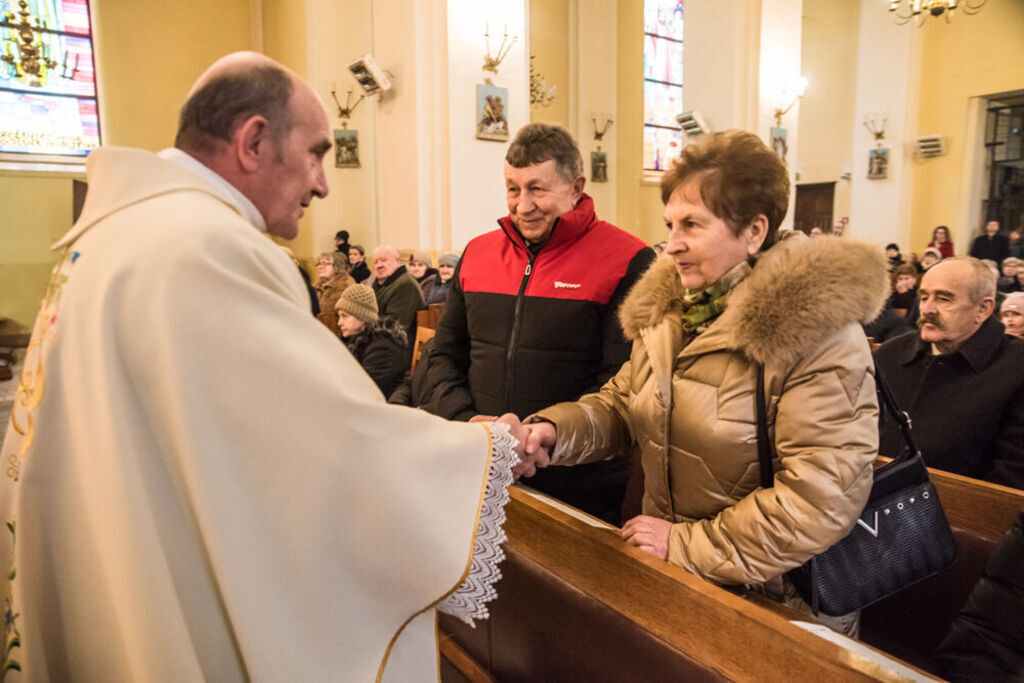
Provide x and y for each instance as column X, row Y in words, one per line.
column 930, row 319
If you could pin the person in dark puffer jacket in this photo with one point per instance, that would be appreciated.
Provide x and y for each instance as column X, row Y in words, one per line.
column 986, row 641
column 380, row 344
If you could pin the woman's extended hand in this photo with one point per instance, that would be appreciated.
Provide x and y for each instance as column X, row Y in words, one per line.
column 650, row 534
column 534, row 444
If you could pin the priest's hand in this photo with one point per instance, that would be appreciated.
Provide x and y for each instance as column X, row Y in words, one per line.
column 650, row 534
column 484, row 418
column 530, row 451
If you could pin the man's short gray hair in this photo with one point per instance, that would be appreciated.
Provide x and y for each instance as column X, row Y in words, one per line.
column 538, row 142
column 216, row 110
column 983, row 278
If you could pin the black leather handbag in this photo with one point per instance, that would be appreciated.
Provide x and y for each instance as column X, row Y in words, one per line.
column 901, row 537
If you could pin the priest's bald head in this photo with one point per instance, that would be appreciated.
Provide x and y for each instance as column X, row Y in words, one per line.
column 262, row 128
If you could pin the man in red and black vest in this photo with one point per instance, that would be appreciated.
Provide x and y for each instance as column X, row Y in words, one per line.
column 531, row 316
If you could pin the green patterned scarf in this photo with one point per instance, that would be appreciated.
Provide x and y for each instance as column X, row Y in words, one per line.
column 701, row 307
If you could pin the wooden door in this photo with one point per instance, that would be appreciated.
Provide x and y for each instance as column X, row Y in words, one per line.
column 814, row 206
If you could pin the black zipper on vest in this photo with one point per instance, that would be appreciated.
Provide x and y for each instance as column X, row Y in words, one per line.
column 513, row 339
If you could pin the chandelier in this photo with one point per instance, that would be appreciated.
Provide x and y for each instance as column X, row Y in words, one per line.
column 919, row 10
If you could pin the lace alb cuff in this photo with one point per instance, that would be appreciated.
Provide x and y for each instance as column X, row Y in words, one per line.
column 469, row 601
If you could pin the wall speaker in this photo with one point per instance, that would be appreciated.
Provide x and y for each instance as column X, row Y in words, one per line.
column 370, row 77
column 928, row 146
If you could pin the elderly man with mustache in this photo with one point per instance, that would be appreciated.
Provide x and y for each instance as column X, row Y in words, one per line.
column 961, row 378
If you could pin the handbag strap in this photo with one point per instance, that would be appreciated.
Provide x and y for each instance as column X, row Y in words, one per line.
column 766, row 449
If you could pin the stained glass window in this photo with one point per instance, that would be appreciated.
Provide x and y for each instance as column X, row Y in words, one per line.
column 48, row 102
column 663, row 81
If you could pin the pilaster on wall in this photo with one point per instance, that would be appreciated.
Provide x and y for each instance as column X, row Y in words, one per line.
column 721, row 53
column 594, row 98
column 888, row 85
column 477, row 166
column 336, row 34
column 779, row 72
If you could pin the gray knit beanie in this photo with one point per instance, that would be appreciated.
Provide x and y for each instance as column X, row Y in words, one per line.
column 360, row 302
column 448, row 258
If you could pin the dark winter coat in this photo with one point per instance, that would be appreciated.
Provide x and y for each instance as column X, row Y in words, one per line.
column 986, row 642
column 523, row 330
column 439, row 292
column 994, row 248
column 967, row 407
column 399, row 297
column 360, row 272
column 382, row 348
column 427, row 283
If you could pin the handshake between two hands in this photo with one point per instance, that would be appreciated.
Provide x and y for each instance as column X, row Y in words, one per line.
column 536, row 441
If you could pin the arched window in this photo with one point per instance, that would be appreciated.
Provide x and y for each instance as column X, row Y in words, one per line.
column 663, row 81
column 48, row 101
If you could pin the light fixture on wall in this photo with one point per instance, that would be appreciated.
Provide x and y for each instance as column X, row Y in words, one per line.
column 692, row 123
column 345, row 113
column 903, row 11
column 491, row 63
column 798, row 88
column 33, row 56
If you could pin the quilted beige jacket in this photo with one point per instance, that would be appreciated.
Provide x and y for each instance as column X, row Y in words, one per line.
column 692, row 409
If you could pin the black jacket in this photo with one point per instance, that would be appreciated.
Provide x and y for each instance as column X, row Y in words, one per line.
column 399, row 297
column 360, row 272
column 986, row 641
column 967, row 407
column 382, row 348
column 524, row 330
column 994, row 248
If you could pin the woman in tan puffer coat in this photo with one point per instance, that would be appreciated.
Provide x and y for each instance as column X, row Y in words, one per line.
column 700, row 320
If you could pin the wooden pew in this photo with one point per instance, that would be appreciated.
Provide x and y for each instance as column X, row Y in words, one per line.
column 577, row 604
column 429, row 316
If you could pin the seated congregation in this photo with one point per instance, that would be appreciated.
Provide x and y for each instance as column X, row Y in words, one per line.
column 639, row 404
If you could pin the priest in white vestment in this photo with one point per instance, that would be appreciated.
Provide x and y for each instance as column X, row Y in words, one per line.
column 200, row 481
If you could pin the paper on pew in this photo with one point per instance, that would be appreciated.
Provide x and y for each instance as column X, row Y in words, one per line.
column 567, row 509
column 872, row 662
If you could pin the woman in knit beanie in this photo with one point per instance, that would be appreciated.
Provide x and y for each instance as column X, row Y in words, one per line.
column 422, row 268
column 446, row 263
column 379, row 343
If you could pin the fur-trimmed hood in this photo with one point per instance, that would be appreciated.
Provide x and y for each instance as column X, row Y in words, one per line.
column 800, row 292
column 386, row 327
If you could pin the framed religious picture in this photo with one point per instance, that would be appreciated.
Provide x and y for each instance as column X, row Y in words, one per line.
column 599, row 167
column 491, row 105
column 346, row 148
column 780, row 142
column 878, row 163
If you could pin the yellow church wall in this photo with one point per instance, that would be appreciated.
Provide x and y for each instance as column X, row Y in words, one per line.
column 148, row 54
column 549, row 44
column 638, row 199
column 971, row 56
column 826, row 122
column 283, row 29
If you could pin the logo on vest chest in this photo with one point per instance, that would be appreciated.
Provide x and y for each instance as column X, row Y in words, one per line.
column 566, row 285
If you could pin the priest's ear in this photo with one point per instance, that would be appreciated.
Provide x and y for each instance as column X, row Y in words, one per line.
column 253, row 143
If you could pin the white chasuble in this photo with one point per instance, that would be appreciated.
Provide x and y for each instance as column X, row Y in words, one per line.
column 201, row 483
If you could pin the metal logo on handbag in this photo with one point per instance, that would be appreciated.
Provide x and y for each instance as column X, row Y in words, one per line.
column 901, row 537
